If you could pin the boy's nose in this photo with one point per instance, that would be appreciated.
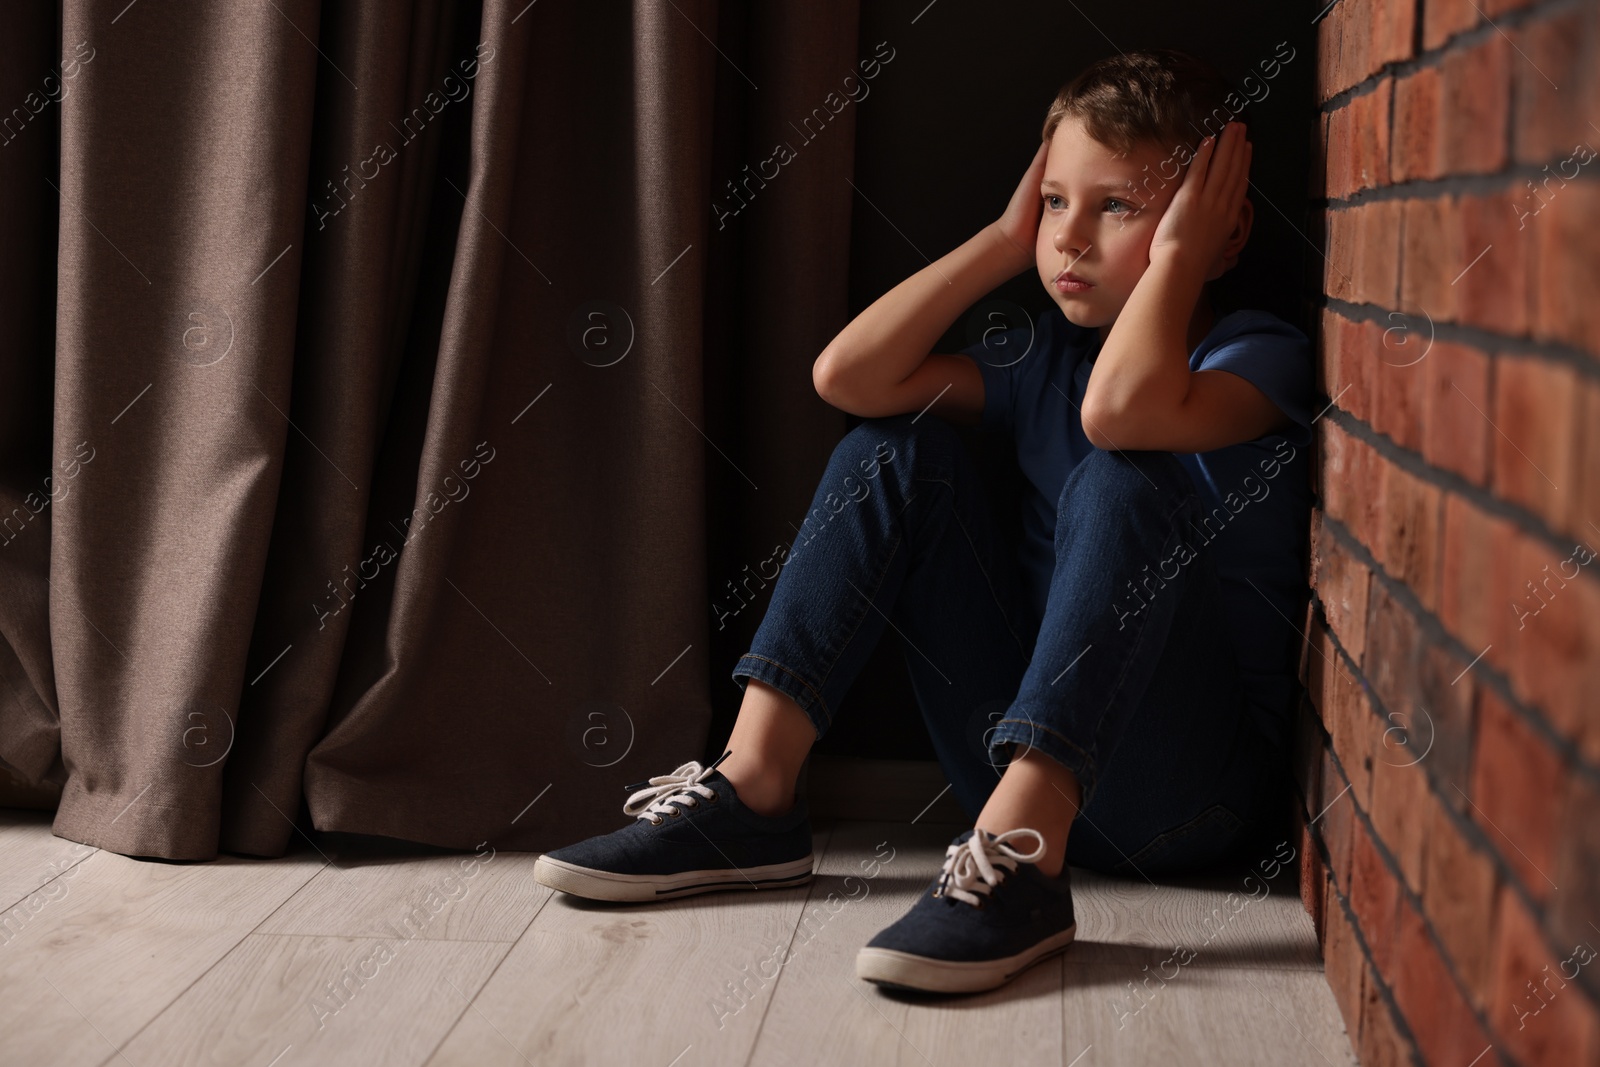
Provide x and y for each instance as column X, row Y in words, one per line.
column 1070, row 246
column 1070, row 240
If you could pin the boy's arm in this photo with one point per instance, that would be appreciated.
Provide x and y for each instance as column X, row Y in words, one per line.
column 880, row 363
column 1141, row 393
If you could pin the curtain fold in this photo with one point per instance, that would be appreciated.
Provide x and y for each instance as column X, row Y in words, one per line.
column 404, row 403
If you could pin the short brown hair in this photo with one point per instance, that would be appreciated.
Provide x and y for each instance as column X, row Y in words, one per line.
column 1161, row 96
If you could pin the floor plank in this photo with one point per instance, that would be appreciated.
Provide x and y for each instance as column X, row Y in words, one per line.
column 1216, row 1015
column 290, row 1000
column 31, row 859
column 630, row 984
column 123, row 942
column 1224, row 920
column 479, row 896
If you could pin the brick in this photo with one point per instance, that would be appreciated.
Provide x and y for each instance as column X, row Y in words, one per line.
column 1585, row 523
column 1443, row 19
column 1341, row 583
column 1493, row 277
column 1402, row 343
column 1536, row 439
column 1319, row 921
column 1344, row 248
column 1377, row 253
column 1527, row 199
column 1380, row 1043
column 1329, row 72
column 1578, row 873
column 1358, row 142
column 1345, row 964
column 1350, row 486
column 1348, row 353
column 1476, row 102
column 1566, row 265
column 1478, row 556
column 1362, row 341
column 1398, row 383
column 1414, row 148
column 1400, row 795
column 1430, row 256
column 1555, row 662
column 1549, row 89
column 1334, row 818
column 1393, row 26
column 1328, row 350
column 1540, row 1016
column 1458, row 897
column 1350, row 729
column 1313, row 625
column 1317, row 172
column 1592, row 104
column 1456, row 431
column 1338, row 277
column 1328, row 439
column 1443, row 726
column 1410, row 545
column 1365, row 343
column 1355, row 43
column 1330, row 673
column 1429, row 999
column 1500, row 7
column 1393, row 650
column 1372, row 496
column 1313, row 876
column 1342, row 149
column 1374, row 897
column 1518, row 783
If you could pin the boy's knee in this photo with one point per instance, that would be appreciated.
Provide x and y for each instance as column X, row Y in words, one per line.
column 1125, row 479
column 895, row 439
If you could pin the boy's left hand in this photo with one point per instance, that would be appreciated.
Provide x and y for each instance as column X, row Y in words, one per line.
column 1205, row 209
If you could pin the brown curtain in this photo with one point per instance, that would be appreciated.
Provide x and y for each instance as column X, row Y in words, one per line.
column 384, row 399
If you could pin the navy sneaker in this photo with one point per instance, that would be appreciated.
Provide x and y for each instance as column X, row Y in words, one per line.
column 988, row 916
column 691, row 834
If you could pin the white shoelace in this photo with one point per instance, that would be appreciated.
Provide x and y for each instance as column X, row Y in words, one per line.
column 969, row 868
column 666, row 794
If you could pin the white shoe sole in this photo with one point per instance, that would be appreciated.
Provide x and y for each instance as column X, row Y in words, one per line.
column 608, row 885
column 887, row 966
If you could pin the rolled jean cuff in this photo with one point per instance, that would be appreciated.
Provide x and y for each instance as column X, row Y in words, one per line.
column 787, row 682
column 1038, row 736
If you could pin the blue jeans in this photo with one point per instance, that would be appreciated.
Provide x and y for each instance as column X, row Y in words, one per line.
column 1145, row 709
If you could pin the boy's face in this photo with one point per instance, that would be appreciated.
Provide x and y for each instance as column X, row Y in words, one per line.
column 1099, row 215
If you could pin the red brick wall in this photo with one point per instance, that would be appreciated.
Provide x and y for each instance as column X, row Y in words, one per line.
column 1449, row 755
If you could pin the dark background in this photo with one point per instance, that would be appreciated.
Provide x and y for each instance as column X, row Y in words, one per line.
column 941, row 143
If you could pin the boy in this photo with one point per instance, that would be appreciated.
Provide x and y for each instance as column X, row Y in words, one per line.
column 1135, row 660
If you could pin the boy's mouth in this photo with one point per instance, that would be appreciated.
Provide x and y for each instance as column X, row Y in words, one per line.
column 1068, row 282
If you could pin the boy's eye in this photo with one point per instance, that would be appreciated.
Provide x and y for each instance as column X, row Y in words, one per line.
column 1122, row 206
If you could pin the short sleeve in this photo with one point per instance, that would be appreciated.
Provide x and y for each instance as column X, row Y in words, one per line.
column 1009, row 360
column 1276, row 358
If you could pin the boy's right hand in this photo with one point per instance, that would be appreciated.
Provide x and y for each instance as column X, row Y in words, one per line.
column 1019, row 226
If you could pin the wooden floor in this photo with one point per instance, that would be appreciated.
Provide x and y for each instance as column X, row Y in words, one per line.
column 348, row 953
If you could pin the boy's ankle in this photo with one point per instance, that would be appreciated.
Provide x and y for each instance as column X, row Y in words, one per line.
column 771, row 810
column 760, row 795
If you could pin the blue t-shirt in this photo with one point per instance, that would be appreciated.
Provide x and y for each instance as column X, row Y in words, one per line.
column 1256, row 492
